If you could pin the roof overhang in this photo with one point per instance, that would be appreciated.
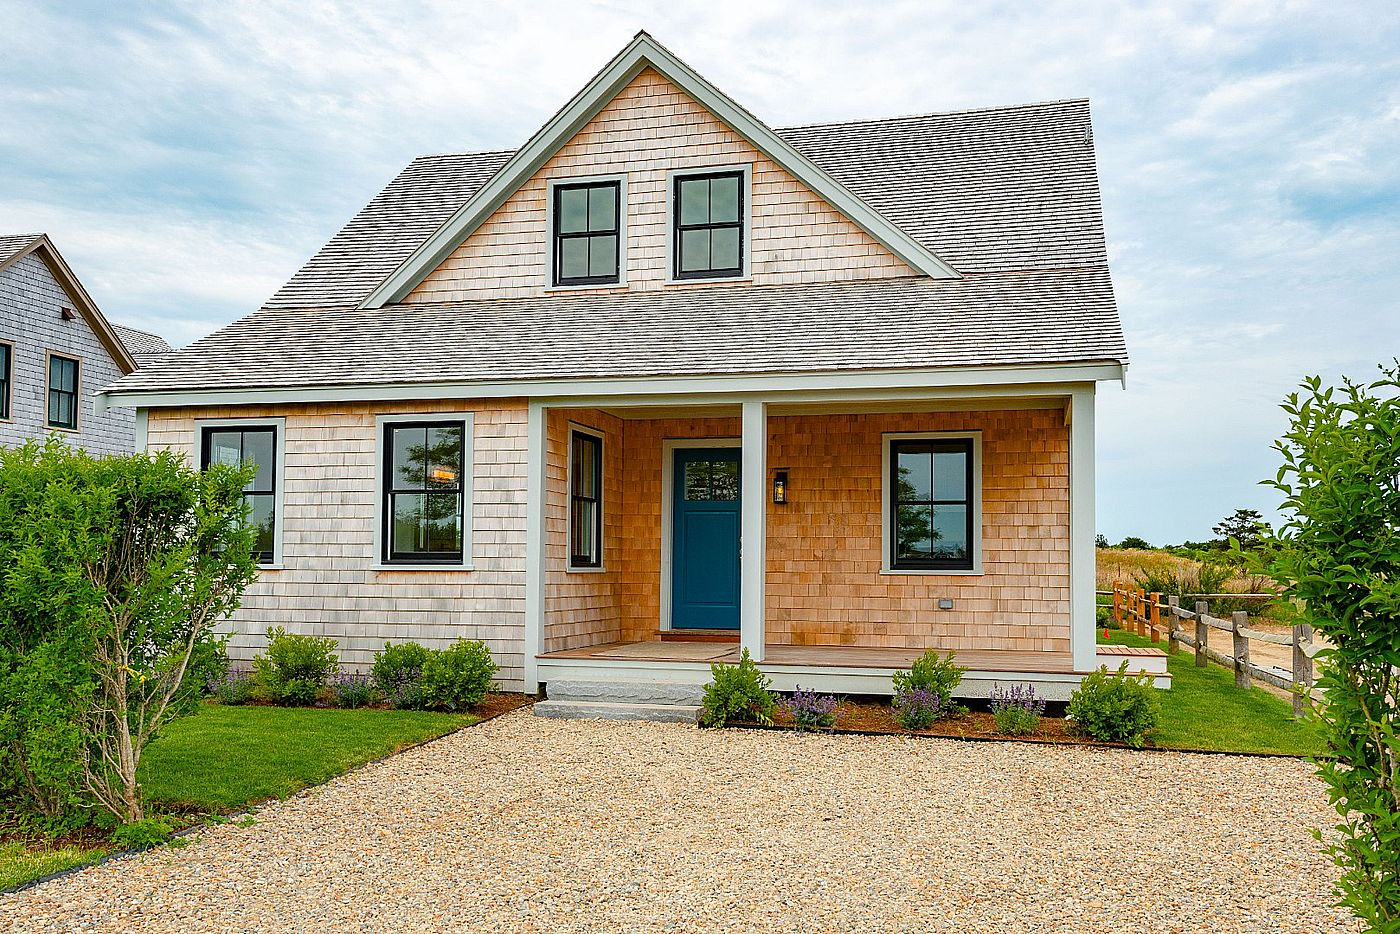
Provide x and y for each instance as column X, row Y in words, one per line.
column 641, row 53
column 82, row 301
column 941, row 382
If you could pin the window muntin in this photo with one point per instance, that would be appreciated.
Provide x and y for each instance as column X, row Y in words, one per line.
column 63, row 393
column 931, row 504
column 587, row 233
column 424, row 467
column 585, row 500
column 709, row 225
column 257, row 445
column 7, row 366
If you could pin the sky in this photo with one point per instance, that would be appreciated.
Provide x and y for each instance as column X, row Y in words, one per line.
column 188, row 158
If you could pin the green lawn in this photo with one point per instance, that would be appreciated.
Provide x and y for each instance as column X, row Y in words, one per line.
column 226, row 758
column 1204, row 710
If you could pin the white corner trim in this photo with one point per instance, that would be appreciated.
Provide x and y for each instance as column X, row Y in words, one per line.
column 537, row 432
column 745, row 233
column 623, row 229
column 668, row 491
column 142, row 431
column 279, row 455
column 1082, row 557
column 753, row 536
column 603, row 504
column 887, row 501
column 468, row 489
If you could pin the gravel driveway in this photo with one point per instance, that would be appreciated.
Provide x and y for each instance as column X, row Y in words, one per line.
column 524, row 824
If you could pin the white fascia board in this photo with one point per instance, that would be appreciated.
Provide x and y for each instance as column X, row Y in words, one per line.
column 642, row 52
column 950, row 382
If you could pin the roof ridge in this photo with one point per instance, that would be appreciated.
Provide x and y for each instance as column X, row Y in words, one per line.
column 937, row 113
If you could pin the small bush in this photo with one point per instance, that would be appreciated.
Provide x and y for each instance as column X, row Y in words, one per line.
column 233, row 687
column 1018, row 711
column 142, row 834
column 1118, row 707
column 295, row 667
column 737, row 693
column 931, row 672
column 458, row 676
column 398, row 672
column 352, row 691
column 918, row 708
column 810, row 710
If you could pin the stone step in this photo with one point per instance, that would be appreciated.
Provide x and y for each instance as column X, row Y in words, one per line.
column 626, row 692
column 580, row 710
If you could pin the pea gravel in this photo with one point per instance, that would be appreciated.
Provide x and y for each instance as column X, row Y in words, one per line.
column 525, row 824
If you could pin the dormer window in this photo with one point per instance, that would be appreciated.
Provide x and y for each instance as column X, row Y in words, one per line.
column 586, row 233
column 708, row 213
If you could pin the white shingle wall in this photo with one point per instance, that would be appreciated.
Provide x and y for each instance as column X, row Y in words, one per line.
column 649, row 129
column 328, row 584
column 30, row 299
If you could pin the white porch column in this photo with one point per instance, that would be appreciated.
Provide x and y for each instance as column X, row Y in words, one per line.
column 534, row 542
column 1082, row 621
column 753, row 531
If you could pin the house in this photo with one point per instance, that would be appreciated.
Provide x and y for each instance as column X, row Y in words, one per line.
column 540, row 397
column 57, row 350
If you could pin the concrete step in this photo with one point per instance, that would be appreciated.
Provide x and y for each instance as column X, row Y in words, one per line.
column 579, row 710
column 626, row 692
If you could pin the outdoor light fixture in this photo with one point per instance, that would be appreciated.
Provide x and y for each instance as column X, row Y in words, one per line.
column 780, row 484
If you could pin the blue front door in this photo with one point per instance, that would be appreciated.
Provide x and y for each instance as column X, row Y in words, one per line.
column 705, row 539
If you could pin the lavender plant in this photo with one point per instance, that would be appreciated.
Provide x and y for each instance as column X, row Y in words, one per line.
column 233, row 687
column 352, row 690
column 1018, row 710
column 916, row 708
column 810, row 710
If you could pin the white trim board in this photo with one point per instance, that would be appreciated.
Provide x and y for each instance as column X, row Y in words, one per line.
column 669, row 446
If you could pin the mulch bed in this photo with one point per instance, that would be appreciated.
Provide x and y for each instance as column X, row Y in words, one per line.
column 861, row 716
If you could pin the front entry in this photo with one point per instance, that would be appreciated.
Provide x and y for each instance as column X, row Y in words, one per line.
column 705, row 539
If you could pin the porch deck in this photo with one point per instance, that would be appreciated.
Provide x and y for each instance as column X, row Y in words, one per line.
column 816, row 656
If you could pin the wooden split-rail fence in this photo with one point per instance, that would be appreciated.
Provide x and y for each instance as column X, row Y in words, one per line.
column 1160, row 616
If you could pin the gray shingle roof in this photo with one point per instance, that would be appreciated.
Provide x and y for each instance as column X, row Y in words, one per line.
column 145, row 347
column 1035, row 317
column 10, row 244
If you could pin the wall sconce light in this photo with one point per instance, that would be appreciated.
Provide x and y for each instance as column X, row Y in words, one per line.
column 780, row 487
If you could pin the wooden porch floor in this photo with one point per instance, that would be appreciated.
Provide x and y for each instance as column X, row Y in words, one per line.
column 827, row 656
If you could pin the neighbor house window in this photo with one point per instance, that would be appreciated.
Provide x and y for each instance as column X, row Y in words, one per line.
column 709, row 225
column 424, row 492
column 931, row 502
column 254, row 446
column 586, row 233
column 585, row 500
column 7, row 366
column 63, row 393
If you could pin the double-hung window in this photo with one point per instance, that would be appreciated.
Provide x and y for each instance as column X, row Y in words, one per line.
column 7, row 369
column 63, row 393
column 932, row 504
column 424, row 492
column 708, row 214
column 587, row 233
column 585, row 500
column 254, row 445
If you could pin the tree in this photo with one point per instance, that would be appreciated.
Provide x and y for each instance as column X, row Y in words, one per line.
column 1132, row 541
column 1245, row 526
column 1101, row 541
column 1338, row 555
column 116, row 570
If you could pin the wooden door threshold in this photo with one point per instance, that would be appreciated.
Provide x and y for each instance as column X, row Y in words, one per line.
column 699, row 635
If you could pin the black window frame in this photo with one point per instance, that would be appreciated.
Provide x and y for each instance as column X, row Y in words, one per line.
column 559, row 236
column 576, row 560
column 968, row 449
column 678, row 228
column 76, row 394
column 388, row 491
column 207, row 432
column 7, row 379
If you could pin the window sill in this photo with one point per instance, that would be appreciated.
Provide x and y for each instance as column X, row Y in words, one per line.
column 574, row 570
column 587, row 287
column 669, row 282
column 449, row 568
column 272, row 567
column 66, row 431
column 931, row 572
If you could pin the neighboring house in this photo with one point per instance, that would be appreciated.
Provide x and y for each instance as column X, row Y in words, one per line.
column 540, row 397
column 57, row 351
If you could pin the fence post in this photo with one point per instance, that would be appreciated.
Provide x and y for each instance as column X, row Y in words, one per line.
column 1240, row 620
column 1154, row 616
column 1142, row 616
column 1118, row 603
column 1173, row 623
column 1202, row 633
column 1302, row 668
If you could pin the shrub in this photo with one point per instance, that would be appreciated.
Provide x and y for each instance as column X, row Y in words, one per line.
column 810, row 710
column 737, row 693
column 931, row 672
column 1018, row 711
column 142, row 834
column 917, row 708
column 398, row 672
column 295, row 667
column 233, row 687
column 458, row 676
column 1116, row 708
column 352, row 691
